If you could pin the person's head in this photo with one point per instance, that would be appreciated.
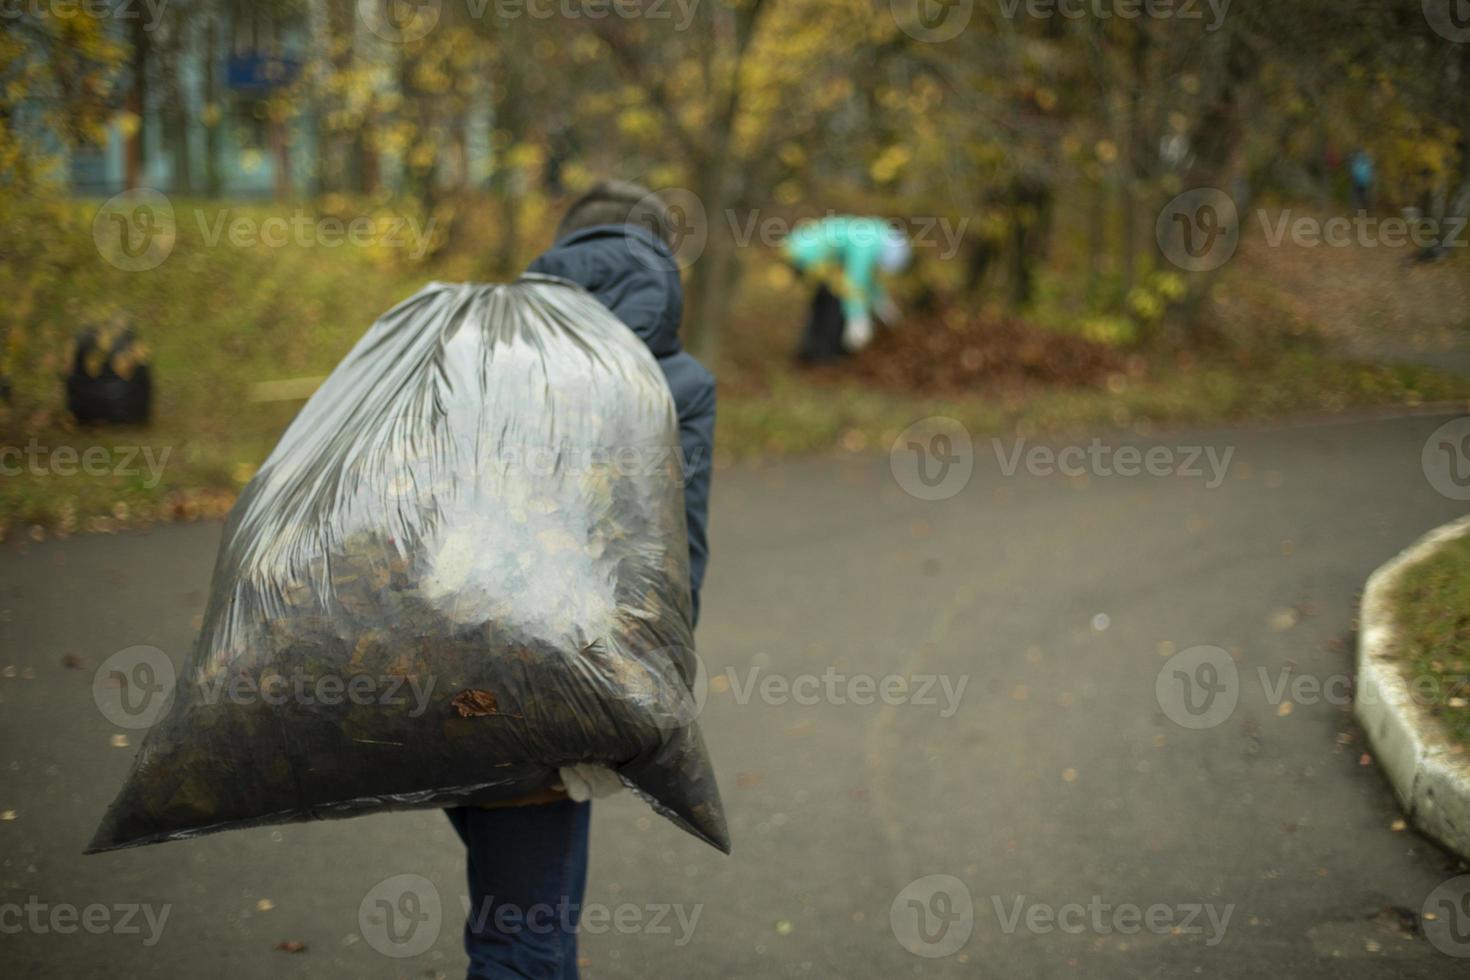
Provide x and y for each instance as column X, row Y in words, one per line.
column 618, row 202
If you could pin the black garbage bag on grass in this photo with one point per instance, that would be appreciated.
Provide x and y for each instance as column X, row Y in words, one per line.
column 108, row 378
column 463, row 567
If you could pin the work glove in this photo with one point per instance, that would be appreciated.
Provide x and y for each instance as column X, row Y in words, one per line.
column 589, row 781
column 857, row 333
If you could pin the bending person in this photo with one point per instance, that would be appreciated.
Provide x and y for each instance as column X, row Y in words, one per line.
column 843, row 256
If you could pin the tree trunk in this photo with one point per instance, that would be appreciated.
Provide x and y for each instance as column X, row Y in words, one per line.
column 136, row 153
column 510, row 220
column 712, row 273
column 281, row 155
column 366, row 155
column 213, row 114
column 179, row 131
column 714, row 307
column 1220, row 161
column 1127, row 199
column 1097, row 228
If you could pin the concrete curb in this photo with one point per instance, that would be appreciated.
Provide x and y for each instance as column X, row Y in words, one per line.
column 1431, row 780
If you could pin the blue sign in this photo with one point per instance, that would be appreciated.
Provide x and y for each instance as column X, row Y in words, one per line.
column 260, row 72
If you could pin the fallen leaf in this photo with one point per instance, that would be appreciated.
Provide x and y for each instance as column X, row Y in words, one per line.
column 7, row 814
column 1283, row 709
column 784, row 928
column 1282, row 620
column 264, row 905
column 1069, row 775
column 119, row 741
column 745, row 780
column 474, row 704
column 1398, row 826
column 291, row 946
column 73, row 662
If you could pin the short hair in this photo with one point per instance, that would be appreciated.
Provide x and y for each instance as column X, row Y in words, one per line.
column 618, row 202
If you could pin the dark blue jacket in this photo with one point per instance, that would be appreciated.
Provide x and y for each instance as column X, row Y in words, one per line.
column 634, row 275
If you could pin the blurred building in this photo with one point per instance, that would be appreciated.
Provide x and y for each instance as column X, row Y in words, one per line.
column 207, row 119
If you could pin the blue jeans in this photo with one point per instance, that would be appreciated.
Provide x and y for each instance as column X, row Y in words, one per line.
column 527, row 874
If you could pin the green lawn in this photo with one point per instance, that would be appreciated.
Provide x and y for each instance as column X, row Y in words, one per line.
column 795, row 417
column 1432, row 611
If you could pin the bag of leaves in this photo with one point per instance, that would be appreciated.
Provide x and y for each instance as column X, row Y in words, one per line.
column 108, row 378
column 463, row 567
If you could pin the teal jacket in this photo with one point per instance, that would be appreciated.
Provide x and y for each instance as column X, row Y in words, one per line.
column 843, row 252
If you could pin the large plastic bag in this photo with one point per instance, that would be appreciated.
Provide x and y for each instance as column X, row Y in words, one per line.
column 463, row 567
column 108, row 378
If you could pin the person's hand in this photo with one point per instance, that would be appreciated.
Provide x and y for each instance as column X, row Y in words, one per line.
column 587, row 781
column 857, row 333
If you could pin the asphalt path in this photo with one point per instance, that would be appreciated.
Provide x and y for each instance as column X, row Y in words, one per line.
column 955, row 738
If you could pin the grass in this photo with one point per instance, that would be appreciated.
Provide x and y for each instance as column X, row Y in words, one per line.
column 795, row 417
column 1432, row 610
column 221, row 319
column 218, row 320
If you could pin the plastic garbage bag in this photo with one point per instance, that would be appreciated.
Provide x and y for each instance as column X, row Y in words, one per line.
column 463, row 567
column 108, row 378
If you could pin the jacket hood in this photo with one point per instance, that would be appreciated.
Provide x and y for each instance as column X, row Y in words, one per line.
column 631, row 272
